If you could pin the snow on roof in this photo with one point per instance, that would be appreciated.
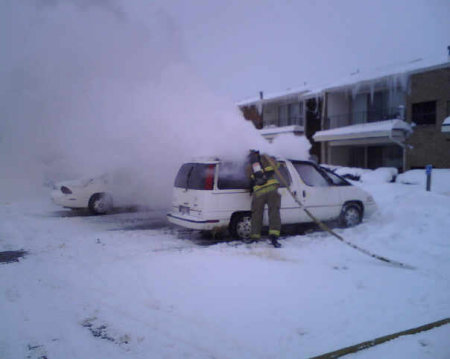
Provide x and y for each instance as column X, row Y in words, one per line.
column 357, row 77
column 372, row 129
column 392, row 70
column 296, row 92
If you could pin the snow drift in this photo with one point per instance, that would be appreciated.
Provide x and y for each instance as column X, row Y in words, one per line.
column 117, row 287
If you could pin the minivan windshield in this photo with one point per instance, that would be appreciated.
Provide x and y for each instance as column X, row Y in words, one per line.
column 336, row 179
column 198, row 176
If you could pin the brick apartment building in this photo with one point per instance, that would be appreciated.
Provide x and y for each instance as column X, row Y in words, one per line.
column 390, row 117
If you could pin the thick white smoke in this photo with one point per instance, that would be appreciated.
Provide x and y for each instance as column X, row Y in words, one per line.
column 87, row 89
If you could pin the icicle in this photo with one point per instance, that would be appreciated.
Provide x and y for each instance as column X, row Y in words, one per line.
column 317, row 99
column 372, row 91
column 355, row 90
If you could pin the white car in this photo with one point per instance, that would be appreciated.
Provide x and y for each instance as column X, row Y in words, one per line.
column 91, row 193
column 213, row 195
column 119, row 188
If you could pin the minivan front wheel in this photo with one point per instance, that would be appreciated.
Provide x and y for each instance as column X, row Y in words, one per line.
column 241, row 226
column 351, row 215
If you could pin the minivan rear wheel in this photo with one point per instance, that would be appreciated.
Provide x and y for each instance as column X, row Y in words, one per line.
column 241, row 226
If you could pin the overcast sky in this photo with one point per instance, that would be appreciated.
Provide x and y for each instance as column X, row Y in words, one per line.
column 243, row 46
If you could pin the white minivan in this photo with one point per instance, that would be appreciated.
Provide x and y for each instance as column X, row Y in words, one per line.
column 214, row 195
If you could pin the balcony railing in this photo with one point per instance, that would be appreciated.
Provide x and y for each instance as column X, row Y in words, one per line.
column 354, row 118
column 285, row 122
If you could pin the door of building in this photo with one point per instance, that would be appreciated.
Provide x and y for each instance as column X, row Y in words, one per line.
column 374, row 157
column 357, row 157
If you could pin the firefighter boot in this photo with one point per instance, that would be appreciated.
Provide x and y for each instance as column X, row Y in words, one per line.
column 274, row 241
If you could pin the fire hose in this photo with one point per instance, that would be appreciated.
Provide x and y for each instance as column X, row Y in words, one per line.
column 324, row 227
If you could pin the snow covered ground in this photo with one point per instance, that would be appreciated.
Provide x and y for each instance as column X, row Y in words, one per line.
column 129, row 286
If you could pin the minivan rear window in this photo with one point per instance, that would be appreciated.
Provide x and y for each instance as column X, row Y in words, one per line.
column 198, row 176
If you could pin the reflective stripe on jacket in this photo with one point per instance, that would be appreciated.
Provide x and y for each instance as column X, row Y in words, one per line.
column 270, row 185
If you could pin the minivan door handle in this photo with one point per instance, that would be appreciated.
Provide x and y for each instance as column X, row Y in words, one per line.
column 304, row 194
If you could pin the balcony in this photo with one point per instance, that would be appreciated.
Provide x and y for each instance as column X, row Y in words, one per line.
column 282, row 122
column 354, row 118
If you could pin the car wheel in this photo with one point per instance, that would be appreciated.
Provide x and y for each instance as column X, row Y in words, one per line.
column 351, row 215
column 241, row 226
column 100, row 203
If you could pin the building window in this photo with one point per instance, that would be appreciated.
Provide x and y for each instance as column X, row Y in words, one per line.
column 424, row 113
column 378, row 107
column 283, row 115
column 290, row 114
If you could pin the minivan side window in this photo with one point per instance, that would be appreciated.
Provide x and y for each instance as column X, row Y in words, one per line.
column 233, row 175
column 310, row 175
column 198, row 176
column 285, row 173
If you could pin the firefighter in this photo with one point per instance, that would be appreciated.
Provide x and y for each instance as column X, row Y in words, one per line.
column 264, row 191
